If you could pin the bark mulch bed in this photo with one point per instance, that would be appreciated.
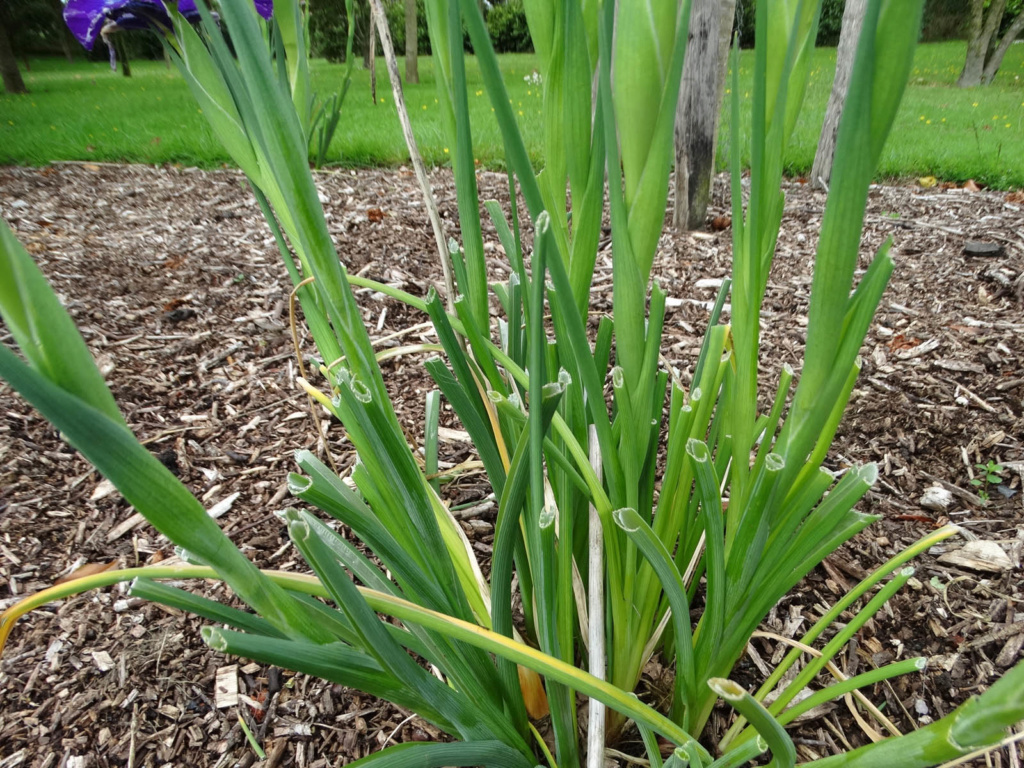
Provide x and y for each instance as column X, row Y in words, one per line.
column 175, row 282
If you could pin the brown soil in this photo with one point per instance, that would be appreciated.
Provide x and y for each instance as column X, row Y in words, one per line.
column 175, row 282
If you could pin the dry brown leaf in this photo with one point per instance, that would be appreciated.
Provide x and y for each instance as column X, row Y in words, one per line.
column 971, row 186
column 375, row 215
column 899, row 341
column 88, row 569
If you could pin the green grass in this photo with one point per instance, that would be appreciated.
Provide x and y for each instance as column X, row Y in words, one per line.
column 941, row 130
column 83, row 111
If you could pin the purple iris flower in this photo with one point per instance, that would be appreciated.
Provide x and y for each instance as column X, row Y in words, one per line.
column 88, row 19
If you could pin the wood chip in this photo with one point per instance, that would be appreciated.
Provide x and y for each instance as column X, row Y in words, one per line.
column 134, row 521
column 102, row 661
column 106, row 242
column 453, row 435
column 960, row 366
column 103, row 489
column 225, row 687
column 293, row 729
column 989, row 250
column 921, row 349
column 124, row 526
column 936, row 498
column 223, row 506
column 980, row 555
column 1009, row 653
column 709, row 282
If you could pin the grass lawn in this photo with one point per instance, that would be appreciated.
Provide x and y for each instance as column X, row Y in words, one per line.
column 84, row 111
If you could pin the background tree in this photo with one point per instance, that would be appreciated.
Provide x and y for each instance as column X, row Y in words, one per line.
column 37, row 27
column 853, row 20
column 8, row 63
column 412, row 71
column 699, row 107
column 985, row 47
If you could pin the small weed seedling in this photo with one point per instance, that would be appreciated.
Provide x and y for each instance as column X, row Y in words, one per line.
column 990, row 473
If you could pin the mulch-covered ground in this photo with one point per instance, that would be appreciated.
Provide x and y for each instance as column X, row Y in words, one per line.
column 175, row 282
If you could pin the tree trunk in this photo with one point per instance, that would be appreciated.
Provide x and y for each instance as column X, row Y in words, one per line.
column 412, row 70
column 122, row 52
column 372, row 47
column 849, row 34
column 996, row 59
column 981, row 30
column 699, row 107
column 974, row 64
column 9, row 64
column 66, row 47
column 369, row 37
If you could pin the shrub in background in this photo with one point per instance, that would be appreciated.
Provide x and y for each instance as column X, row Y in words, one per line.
column 507, row 25
column 828, row 27
column 328, row 27
column 831, row 22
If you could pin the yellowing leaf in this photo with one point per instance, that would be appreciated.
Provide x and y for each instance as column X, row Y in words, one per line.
column 927, row 181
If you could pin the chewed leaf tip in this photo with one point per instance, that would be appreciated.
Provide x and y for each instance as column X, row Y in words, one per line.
column 625, row 518
column 618, row 377
column 697, row 450
column 298, row 484
column 727, row 689
column 214, row 638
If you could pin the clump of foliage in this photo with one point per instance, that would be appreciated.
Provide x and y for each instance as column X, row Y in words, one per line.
column 506, row 23
column 640, row 510
column 831, row 22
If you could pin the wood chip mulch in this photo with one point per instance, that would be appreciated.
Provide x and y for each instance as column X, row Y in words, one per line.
column 174, row 280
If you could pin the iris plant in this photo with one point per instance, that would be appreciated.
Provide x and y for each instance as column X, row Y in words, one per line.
column 631, row 498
